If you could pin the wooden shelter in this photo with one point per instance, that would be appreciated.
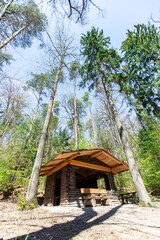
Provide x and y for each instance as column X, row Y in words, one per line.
column 70, row 171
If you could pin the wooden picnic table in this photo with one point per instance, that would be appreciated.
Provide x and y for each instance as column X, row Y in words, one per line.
column 90, row 195
column 128, row 196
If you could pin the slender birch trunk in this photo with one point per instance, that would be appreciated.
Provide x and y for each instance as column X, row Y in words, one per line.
column 75, row 117
column 5, row 8
column 35, row 114
column 5, row 42
column 124, row 137
column 94, row 131
column 33, row 183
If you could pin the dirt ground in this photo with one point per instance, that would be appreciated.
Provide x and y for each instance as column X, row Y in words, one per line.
column 123, row 222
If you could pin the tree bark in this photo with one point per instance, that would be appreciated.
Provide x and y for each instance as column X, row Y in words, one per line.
column 5, row 42
column 35, row 114
column 124, row 137
column 5, row 8
column 75, row 117
column 105, row 124
column 94, row 131
column 33, row 183
column 108, row 121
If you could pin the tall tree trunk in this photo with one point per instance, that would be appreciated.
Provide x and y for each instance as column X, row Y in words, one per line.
column 75, row 117
column 105, row 125
column 33, row 183
column 5, row 42
column 90, row 137
column 34, row 117
column 108, row 121
column 5, row 8
column 136, row 176
column 94, row 131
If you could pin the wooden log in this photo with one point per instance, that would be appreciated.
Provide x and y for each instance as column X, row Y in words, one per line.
column 90, row 166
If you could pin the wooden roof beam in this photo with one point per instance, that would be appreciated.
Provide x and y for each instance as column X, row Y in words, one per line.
column 61, row 165
column 122, row 165
column 90, row 166
column 45, row 171
column 73, row 156
column 95, row 154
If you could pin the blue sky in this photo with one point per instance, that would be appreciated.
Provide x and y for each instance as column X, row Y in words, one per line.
column 119, row 16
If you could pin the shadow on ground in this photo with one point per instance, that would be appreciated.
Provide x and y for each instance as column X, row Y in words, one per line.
column 70, row 229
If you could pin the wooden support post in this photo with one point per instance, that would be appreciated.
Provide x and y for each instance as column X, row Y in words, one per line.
column 49, row 190
column 63, row 199
column 111, row 181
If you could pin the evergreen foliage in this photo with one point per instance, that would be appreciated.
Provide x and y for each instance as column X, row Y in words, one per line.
column 141, row 57
column 18, row 16
column 149, row 154
column 99, row 56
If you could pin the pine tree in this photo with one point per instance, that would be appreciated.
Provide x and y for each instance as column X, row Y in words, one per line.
column 101, row 63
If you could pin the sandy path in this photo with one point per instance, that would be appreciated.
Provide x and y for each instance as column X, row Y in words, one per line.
column 126, row 222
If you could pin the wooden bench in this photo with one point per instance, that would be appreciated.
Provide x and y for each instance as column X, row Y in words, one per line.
column 90, row 195
column 129, row 196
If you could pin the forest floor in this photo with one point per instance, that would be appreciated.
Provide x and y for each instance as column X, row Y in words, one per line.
column 123, row 222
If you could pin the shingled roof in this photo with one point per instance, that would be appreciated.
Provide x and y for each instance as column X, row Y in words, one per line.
column 110, row 163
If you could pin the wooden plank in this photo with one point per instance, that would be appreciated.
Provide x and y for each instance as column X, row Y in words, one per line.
column 95, row 154
column 73, row 156
column 122, row 167
column 97, row 197
column 93, row 190
column 81, row 172
column 61, row 165
column 49, row 168
column 52, row 163
column 90, row 166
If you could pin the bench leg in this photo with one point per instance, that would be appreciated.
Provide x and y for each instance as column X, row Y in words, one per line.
column 103, row 201
column 134, row 199
column 126, row 200
column 122, row 200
